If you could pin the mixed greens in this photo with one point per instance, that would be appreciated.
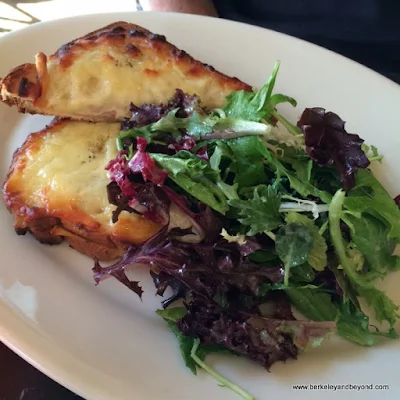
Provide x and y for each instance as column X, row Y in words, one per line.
column 258, row 217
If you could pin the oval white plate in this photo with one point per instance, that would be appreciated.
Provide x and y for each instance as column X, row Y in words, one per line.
column 102, row 342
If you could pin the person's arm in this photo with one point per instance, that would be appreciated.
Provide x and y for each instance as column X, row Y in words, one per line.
column 201, row 7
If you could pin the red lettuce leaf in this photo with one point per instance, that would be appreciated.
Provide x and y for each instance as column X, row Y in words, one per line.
column 264, row 340
column 117, row 271
column 206, row 269
column 117, row 198
column 118, row 171
column 162, row 281
column 327, row 142
column 142, row 163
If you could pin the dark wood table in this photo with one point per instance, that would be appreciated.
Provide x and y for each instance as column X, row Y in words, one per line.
column 21, row 381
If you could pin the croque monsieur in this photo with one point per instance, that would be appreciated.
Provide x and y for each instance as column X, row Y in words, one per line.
column 96, row 77
column 56, row 185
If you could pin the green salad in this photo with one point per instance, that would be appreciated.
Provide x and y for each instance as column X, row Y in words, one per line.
column 271, row 234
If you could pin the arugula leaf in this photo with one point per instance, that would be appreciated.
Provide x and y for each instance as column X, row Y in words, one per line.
column 305, row 273
column 258, row 105
column 303, row 168
column 370, row 235
column 237, row 105
column 197, row 178
column 317, row 257
column 280, row 98
column 260, row 213
column 172, row 314
column 353, row 325
column 263, row 256
column 369, row 196
column 185, row 346
column 251, row 106
column 194, row 354
column 293, row 243
column 313, row 303
column 385, row 309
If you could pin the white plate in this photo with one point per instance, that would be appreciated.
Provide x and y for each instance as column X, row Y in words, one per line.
column 102, row 342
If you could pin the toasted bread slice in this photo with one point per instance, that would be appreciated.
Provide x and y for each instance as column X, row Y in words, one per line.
column 96, row 77
column 56, row 188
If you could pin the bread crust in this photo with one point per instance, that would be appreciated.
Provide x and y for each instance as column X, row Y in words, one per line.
column 27, row 86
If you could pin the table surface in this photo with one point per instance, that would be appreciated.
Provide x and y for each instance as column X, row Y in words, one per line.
column 21, row 381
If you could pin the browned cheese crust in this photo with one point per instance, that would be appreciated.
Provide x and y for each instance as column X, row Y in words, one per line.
column 72, row 82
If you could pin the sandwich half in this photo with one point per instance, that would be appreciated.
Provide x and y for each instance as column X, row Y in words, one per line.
column 56, row 188
column 98, row 76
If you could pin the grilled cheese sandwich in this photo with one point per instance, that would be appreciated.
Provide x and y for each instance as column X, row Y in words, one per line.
column 96, row 77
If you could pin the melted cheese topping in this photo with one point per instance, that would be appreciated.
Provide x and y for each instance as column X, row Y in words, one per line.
column 71, row 164
column 67, row 175
column 104, row 80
